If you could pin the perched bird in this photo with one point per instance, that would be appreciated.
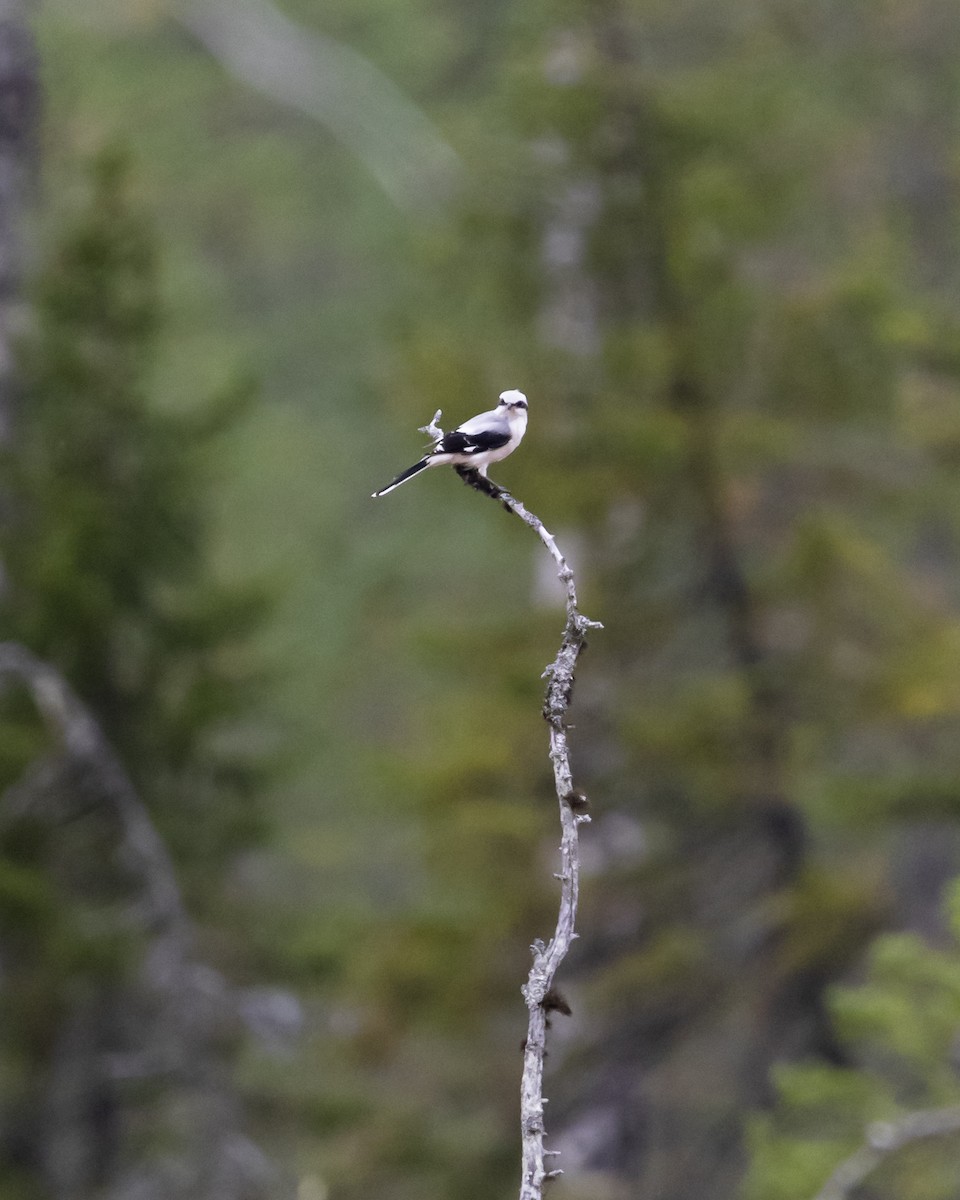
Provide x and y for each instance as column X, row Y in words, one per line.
column 476, row 443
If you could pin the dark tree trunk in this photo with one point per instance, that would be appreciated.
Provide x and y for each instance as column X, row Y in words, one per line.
column 19, row 111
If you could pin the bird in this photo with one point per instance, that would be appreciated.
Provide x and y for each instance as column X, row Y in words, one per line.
column 476, row 443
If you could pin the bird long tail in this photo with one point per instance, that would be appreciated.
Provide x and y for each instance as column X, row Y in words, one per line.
column 404, row 476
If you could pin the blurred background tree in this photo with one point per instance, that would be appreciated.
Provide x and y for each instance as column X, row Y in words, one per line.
column 899, row 1033
column 107, row 1047
column 715, row 244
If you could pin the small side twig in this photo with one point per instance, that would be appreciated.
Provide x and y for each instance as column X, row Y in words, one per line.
column 538, row 990
column 432, row 429
column 884, row 1138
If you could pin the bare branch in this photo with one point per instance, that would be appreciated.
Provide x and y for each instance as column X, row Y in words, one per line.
column 143, row 849
column 540, row 995
column 883, row 1139
column 333, row 84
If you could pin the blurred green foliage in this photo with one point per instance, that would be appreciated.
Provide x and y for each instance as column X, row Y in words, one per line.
column 898, row 1030
column 105, row 542
column 713, row 242
column 104, row 551
column 726, row 405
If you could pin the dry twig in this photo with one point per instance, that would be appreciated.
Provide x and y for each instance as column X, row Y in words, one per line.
column 538, row 991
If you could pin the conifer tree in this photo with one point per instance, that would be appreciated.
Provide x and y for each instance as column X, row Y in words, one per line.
column 891, row 1110
column 113, row 1030
column 104, row 539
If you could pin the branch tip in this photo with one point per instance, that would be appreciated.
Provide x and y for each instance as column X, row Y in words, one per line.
column 433, row 429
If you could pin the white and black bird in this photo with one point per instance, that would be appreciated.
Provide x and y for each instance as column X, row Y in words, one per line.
column 476, row 443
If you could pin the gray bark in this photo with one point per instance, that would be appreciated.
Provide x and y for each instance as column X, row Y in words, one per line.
column 539, row 991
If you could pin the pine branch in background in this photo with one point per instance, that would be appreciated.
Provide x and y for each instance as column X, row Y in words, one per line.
column 889, row 1108
column 884, row 1138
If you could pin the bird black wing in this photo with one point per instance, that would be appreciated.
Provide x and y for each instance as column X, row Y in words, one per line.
column 457, row 442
